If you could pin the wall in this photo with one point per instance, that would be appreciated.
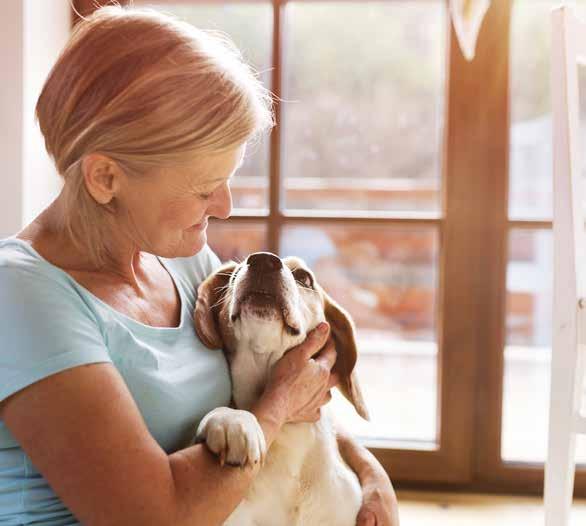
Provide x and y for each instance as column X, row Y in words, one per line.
column 32, row 33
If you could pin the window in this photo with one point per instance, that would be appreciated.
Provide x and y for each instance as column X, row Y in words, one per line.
column 417, row 186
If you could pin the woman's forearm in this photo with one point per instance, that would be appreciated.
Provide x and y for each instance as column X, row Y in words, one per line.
column 207, row 493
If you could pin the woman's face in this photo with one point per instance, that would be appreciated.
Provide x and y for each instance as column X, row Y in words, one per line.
column 167, row 213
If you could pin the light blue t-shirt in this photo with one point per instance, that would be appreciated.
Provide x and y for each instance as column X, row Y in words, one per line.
column 48, row 323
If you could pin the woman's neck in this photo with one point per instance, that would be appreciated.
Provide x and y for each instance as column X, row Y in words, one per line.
column 47, row 235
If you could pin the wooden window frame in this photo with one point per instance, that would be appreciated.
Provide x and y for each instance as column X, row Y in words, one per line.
column 473, row 230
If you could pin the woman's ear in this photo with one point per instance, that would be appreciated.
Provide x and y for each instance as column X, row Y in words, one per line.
column 208, row 305
column 102, row 177
column 342, row 330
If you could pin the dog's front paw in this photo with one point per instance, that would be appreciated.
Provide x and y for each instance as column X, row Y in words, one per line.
column 234, row 435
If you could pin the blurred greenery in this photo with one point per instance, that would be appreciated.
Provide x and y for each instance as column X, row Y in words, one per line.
column 529, row 59
column 368, row 82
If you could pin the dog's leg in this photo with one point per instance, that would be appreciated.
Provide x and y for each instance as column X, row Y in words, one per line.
column 234, row 435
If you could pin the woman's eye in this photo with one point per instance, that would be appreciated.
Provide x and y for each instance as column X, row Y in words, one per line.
column 303, row 277
column 205, row 196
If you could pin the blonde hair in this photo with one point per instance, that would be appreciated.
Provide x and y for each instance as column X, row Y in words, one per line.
column 146, row 90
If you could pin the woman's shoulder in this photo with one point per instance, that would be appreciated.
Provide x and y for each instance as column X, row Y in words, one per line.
column 18, row 254
column 23, row 267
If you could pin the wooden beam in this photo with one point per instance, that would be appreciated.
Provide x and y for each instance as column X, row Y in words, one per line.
column 474, row 244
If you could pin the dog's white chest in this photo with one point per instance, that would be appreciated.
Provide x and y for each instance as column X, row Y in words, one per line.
column 303, row 482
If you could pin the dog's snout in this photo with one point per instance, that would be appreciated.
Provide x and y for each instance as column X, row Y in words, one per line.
column 264, row 261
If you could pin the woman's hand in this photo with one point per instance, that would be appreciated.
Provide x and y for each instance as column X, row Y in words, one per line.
column 300, row 384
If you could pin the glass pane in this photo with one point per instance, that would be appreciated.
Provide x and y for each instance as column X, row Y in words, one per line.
column 363, row 117
column 250, row 26
column 231, row 240
column 386, row 278
column 528, row 348
column 530, row 163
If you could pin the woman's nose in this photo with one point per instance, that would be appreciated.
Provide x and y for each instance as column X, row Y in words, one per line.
column 221, row 203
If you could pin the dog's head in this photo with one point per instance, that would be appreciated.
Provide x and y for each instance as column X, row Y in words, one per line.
column 267, row 305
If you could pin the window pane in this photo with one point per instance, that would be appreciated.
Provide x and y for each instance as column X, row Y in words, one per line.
column 386, row 278
column 231, row 240
column 250, row 26
column 530, row 163
column 363, row 115
column 528, row 348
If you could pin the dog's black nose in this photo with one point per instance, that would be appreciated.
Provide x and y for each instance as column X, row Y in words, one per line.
column 264, row 261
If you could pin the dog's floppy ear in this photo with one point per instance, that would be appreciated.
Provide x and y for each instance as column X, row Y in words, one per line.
column 208, row 305
column 342, row 330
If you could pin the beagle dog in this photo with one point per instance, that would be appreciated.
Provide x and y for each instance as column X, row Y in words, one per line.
column 255, row 311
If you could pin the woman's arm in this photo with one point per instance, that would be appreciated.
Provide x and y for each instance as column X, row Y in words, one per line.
column 294, row 393
column 379, row 504
column 83, row 431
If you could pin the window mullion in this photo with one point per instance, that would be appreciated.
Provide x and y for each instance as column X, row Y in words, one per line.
column 474, row 244
column 275, row 183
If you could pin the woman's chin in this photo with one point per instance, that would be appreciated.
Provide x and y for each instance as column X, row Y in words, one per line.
column 193, row 242
column 188, row 245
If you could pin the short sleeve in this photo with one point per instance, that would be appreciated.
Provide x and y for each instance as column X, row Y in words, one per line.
column 45, row 328
column 211, row 259
column 191, row 271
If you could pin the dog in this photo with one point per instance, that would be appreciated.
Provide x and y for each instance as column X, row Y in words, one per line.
column 255, row 311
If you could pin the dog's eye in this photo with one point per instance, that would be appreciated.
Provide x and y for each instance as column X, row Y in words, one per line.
column 303, row 277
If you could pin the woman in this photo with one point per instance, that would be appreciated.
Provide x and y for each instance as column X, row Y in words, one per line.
column 146, row 118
